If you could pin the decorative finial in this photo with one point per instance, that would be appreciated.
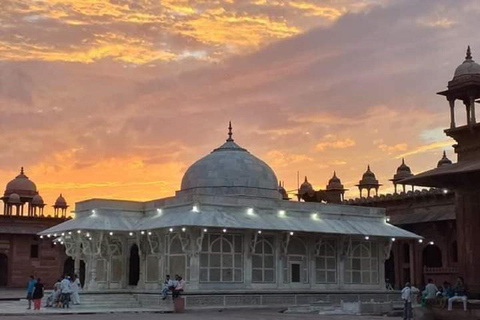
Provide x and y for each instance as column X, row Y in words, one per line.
column 368, row 168
column 230, row 131
column 403, row 160
column 469, row 54
column 334, row 174
column 306, row 179
column 21, row 170
column 444, row 154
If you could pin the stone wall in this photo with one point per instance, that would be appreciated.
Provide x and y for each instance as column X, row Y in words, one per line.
column 20, row 264
column 225, row 300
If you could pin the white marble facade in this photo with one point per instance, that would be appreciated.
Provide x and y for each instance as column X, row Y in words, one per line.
column 228, row 229
column 235, row 259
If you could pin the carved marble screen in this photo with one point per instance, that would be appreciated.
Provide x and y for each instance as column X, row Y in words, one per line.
column 221, row 258
column 361, row 265
column 326, row 261
column 263, row 261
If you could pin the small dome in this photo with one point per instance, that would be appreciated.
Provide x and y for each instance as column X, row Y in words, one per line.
column 305, row 187
column 468, row 67
column 368, row 178
column 60, row 202
column 282, row 191
column 334, row 183
column 444, row 161
column 14, row 198
column 37, row 200
column 21, row 185
column 231, row 170
column 403, row 172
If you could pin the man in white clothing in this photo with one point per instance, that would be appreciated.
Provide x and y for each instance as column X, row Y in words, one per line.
column 407, row 293
column 431, row 290
column 66, row 288
column 75, row 289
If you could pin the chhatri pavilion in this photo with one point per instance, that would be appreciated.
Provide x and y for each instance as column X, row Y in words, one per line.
column 228, row 228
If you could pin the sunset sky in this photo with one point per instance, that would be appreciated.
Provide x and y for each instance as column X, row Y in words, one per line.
column 116, row 98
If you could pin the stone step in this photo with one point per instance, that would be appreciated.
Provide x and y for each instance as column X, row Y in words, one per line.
column 312, row 308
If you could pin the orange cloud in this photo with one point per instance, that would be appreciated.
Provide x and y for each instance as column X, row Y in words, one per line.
column 427, row 147
column 394, row 148
column 337, row 144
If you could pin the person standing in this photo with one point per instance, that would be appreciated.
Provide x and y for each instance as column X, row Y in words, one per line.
column 37, row 294
column 30, row 288
column 66, row 289
column 75, row 289
column 407, row 294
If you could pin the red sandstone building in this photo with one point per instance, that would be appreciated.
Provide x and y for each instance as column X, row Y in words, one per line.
column 445, row 215
column 22, row 252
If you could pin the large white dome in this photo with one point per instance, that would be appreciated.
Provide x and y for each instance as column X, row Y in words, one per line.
column 231, row 170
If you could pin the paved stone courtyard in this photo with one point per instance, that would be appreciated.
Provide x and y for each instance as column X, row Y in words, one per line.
column 271, row 314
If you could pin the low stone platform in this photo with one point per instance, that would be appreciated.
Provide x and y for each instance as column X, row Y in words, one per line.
column 437, row 313
column 124, row 301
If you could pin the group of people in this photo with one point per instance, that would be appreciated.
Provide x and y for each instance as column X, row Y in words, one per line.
column 176, row 286
column 445, row 296
column 65, row 290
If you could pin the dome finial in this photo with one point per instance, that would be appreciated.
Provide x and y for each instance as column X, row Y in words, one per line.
column 403, row 161
column 21, row 170
column 469, row 54
column 230, row 134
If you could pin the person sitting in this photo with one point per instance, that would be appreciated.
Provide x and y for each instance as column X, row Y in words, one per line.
column 52, row 299
column 430, row 292
column 169, row 285
column 447, row 293
column 179, row 287
column 460, row 294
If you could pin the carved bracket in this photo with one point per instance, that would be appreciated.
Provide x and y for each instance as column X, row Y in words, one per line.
column 185, row 241
column 253, row 243
column 285, row 243
column 154, row 244
column 318, row 246
column 345, row 246
column 198, row 244
column 387, row 249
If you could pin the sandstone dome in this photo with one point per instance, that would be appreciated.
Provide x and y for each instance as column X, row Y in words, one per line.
column 37, row 200
column 231, row 170
column 21, row 185
column 60, row 202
